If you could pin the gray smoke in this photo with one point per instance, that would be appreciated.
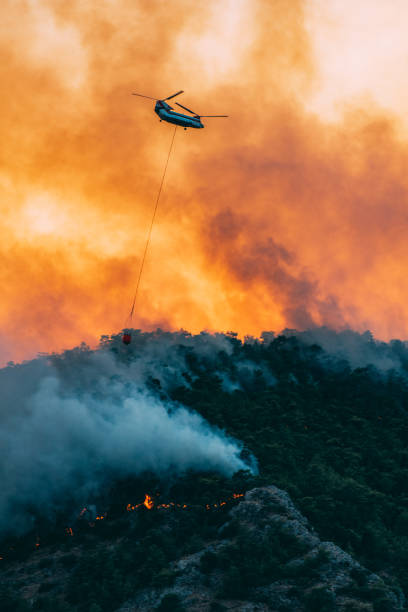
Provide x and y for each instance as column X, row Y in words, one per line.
column 71, row 422
column 359, row 350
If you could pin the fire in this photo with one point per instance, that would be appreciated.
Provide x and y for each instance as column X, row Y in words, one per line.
column 148, row 502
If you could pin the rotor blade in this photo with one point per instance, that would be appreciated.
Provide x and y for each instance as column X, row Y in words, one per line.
column 187, row 109
column 174, row 95
column 142, row 96
column 214, row 116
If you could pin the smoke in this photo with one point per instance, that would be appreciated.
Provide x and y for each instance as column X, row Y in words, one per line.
column 269, row 219
column 358, row 350
column 72, row 423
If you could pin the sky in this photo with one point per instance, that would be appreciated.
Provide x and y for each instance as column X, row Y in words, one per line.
column 290, row 213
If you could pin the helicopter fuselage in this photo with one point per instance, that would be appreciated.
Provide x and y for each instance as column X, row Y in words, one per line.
column 166, row 113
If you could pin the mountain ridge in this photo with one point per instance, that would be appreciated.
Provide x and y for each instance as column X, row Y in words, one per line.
column 326, row 425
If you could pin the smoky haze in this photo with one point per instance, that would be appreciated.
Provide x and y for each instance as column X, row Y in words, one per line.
column 79, row 420
column 72, row 422
column 271, row 218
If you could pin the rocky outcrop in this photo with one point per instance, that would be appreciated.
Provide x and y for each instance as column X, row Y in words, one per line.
column 294, row 570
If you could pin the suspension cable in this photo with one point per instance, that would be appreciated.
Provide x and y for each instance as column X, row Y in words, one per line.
column 150, row 229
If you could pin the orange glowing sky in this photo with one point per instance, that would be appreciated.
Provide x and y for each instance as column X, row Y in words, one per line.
column 293, row 212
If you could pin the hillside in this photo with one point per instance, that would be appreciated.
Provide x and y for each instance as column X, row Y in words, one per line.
column 323, row 414
column 260, row 555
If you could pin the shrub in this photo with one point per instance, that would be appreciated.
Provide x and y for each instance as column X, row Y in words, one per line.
column 320, row 599
column 208, row 562
column 170, row 603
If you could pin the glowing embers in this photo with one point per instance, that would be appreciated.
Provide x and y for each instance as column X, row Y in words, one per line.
column 149, row 504
column 88, row 516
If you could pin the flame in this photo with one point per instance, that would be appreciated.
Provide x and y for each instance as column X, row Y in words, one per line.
column 148, row 502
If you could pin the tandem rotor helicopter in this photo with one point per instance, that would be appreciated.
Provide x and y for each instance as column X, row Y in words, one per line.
column 166, row 112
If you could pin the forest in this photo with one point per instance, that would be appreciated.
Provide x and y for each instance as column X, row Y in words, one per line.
column 330, row 433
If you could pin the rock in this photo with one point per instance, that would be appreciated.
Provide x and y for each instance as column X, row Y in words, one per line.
column 321, row 572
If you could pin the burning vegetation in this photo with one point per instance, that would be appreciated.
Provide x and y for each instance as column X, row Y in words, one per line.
column 88, row 518
column 150, row 504
column 329, row 431
column 195, row 560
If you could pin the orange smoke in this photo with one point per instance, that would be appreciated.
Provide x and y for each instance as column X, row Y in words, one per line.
column 270, row 218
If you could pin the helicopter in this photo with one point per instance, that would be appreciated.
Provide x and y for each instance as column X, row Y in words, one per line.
column 166, row 112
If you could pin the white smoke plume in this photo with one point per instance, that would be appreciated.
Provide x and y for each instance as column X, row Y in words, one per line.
column 359, row 350
column 70, row 423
